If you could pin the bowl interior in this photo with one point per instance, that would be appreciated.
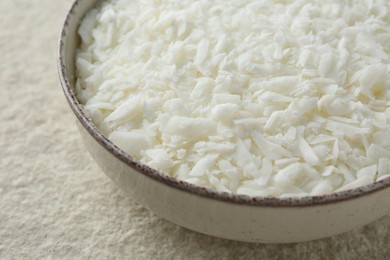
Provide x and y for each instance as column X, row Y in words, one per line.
column 69, row 42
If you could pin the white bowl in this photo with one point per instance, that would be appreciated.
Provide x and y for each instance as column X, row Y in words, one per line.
column 237, row 217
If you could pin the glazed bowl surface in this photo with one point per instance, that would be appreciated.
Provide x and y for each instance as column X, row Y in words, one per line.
column 225, row 215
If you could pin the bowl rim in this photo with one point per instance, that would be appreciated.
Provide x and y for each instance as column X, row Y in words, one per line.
column 303, row 201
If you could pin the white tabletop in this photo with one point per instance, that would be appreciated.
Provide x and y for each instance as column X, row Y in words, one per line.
column 54, row 200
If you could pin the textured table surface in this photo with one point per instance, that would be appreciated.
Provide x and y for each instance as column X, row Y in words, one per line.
column 54, row 200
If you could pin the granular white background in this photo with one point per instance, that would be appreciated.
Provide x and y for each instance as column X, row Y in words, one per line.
column 54, row 200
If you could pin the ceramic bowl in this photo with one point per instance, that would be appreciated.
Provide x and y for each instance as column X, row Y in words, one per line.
column 230, row 216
